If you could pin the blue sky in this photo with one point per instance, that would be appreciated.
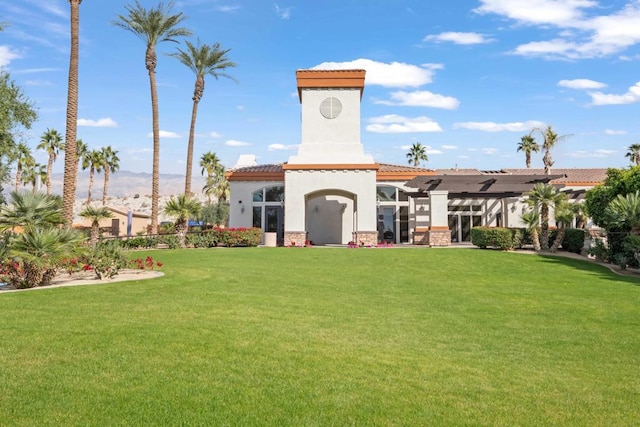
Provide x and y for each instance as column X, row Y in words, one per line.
column 467, row 78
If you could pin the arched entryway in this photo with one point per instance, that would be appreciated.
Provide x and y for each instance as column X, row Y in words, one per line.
column 330, row 216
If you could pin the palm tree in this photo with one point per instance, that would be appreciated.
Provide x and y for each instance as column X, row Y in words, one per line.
column 531, row 220
column 580, row 214
column 633, row 154
column 153, row 26
column 550, row 140
column 31, row 209
column 110, row 163
column 92, row 160
column 623, row 212
column 24, row 159
column 417, row 153
column 95, row 215
column 51, row 142
column 182, row 208
column 202, row 60
column 542, row 198
column 31, row 174
column 70, row 156
column 563, row 213
column 528, row 145
column 210, row 163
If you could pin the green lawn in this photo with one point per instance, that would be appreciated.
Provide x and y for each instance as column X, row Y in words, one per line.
column 318, row 336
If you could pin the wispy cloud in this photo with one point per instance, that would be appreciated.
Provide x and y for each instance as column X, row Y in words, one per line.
column 499, row 127
column 235, row 143
column 421, row 99
column 581, row 29
column 281, row 147
column 393, row 123
column 580, row 154
column 165, row 134
column 7, row 55
column 581, row 84
column 630, row 97
column 394, row 74
column 615, row 132
column 449, row 147
column 106, row 122
column 228, row 9
column 458, row 38
column 282, row 12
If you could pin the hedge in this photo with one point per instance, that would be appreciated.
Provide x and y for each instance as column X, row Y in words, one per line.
column 495, row 237
column 573, row 240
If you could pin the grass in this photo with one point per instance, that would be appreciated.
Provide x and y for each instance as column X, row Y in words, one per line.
column 319, row 336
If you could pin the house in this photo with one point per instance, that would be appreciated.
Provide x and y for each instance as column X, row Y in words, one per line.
column 123, row 218
column 331, row 192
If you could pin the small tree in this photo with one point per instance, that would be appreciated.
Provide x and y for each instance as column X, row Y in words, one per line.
column 564, row 216
column 95, row 215
column 181, row 209
column 417, row 153
column 531, row 220
column 542, row 198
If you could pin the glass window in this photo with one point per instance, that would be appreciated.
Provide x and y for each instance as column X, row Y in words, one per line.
column 275, row 194
column 257, row 217
column 402, row 196
column 386, row 194
column 257, row 195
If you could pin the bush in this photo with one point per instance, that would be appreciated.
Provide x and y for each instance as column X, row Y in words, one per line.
column 496, row 237
column 105, row 260
column 573, row 240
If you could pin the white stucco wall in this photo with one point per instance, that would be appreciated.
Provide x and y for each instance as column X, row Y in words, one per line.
column 241, row 194
column 334, row 140
column 302, row 184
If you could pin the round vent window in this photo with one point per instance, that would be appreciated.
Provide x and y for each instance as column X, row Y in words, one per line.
column 331, row 108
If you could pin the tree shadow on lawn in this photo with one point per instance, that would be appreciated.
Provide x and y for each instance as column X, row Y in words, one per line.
column 603, row 271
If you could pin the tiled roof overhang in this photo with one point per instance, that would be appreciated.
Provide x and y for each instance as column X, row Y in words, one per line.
column 317, row 79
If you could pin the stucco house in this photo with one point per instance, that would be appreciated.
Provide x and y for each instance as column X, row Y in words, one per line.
column 331, row 192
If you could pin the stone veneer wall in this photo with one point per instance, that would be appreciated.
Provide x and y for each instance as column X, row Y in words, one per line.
column 366, row 238
column 297, row 237
column 439, row 237
column 421, row 236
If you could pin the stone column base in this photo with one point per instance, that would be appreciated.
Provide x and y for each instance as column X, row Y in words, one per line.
column 365, row 238
column 421, row 236
column 295, row 238
column 439, row 236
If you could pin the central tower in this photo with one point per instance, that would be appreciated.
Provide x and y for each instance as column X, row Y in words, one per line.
column 330, row 185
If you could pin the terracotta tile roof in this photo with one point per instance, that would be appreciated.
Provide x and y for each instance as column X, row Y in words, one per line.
column 388, row 167
column 458, row 172
column 575, row 176
column 271, row 168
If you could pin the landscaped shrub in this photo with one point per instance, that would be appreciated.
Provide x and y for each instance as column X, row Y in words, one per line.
column 105, row 260
column 238, row 236
column 573, row 240
column 495, row 237
column 140, row 242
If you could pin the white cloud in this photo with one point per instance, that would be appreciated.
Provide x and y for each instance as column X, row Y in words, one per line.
column 393, row 123
column 214, row 135
column 421, row 98
column 615, row 132
column 106, row 122
column 449, row 147
column 581, row 154
column 458, row 38
column 7, row 55
column 165, row 134
column 235, row 143
column 394, row 74
column 228, row 9
column 489, row 151
column 281, row 147
column 630, row 97
column 283, row 12
column 579, row 34
column 581, row 84
column 499, row 127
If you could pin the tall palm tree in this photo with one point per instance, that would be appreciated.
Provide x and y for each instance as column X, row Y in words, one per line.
column 110, row 163
column 23, row 159
column 542, row 198
column 70, row 156
column 95, row 214
column 92, row 160
column 528, row 145
column 153, row 26
column 633, row 154
column 51, row 142
column 203, row 60
column 550, row 139
column 182, row 208
column 417, row 153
